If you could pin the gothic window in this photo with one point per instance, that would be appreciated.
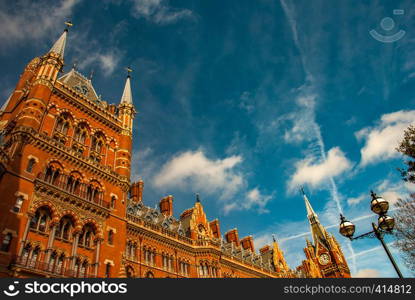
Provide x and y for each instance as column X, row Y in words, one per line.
column 52, row 261
column 34, row 257
column 59, row 264
column 113, row 200
column 80, row 134
column 40, row 220
column 18, row 204
column 77, row 267
column 65, row 228
column 6, row 243
column 61, row 128
column 111, row 237
column 25, row 254
column 30, row 164
column 83, row 269
column 87, row 236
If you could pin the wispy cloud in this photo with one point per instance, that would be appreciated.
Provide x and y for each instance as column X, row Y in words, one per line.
column 306, row 101
column 159, row 11
column 253, row 199
column 29, row 20
column 382, row 139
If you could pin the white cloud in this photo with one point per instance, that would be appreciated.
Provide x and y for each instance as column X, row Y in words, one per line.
column 253, row 199
column 32, row 20
column 367, row 273
column 314, row 172
column 356, row 200
column 192, row 169
column 159, row 12
column 381, row 140
column 107, row 61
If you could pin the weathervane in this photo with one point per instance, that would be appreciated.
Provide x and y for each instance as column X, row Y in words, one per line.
column 68, row 25
column 129, row 70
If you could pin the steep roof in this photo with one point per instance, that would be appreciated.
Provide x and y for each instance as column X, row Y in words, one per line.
column 81, row 84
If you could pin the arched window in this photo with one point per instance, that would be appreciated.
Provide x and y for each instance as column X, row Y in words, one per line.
column 113, row 200
column 65, row 228
column 111, row 237
column 25, row 254
column 61, row 128
column 6, row 243
column 59, row 264
column 77, row 267
column 30, row 164
column 40, row 220
column 97, row 144
column 149, row 274
column 84, row 268
column 87, row 236
column 34, row 257
column 52, row 261
column 80, row 134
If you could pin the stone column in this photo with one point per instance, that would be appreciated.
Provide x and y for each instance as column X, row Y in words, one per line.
column 50, row 242
column 74, row 249
column 97, row 252
column 25, row 233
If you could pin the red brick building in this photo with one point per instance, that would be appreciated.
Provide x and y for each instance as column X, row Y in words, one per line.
column 68, row 208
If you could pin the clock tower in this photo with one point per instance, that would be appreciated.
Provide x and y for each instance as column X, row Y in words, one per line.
column 324, row 256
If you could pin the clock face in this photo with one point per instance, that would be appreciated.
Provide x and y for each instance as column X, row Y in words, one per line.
column 324, row 259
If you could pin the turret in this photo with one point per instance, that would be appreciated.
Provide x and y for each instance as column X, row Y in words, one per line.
column 35, row 86
column 126, row 114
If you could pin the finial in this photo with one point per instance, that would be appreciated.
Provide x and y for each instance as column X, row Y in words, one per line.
column 373, row 194
column 302, row 190
column 91, row 75
column 197, row 198
column 273, row 238
column 129, row 70
column 68, row 25
column 75, row 64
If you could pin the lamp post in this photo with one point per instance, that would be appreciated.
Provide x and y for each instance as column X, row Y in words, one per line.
column 385, row 226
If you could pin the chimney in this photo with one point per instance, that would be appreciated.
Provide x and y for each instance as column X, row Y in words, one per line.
column 166, row 205
column 137, row 191
column 232, row 236
column 214, row 226
column 248, row 243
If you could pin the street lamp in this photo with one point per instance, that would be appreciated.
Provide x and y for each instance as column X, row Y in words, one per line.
column 385, row 226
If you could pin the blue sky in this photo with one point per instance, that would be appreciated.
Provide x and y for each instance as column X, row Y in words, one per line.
column 244, row 101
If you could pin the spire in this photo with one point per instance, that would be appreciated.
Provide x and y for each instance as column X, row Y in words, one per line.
column 317, row 230
column 59, row 46
column 127, row 97
column 310, row 210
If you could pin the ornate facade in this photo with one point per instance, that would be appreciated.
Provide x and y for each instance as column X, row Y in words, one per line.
column 68, row 208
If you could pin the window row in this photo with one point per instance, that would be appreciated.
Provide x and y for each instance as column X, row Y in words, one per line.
column 65, row 229
column 58, row 264
column 207, row 270
column 80, row 137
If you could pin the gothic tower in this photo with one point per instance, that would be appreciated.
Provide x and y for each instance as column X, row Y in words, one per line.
column 65, row 159
column 324, row 255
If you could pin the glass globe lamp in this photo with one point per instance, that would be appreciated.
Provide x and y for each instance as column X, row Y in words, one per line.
column 378, row 205
column 347, row 228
